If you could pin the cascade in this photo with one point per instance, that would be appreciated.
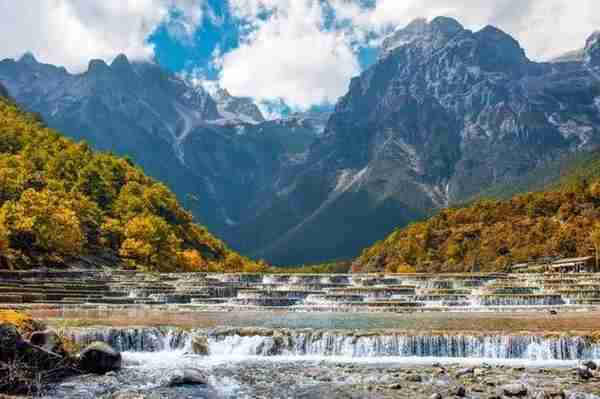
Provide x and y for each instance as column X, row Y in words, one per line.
column 342, row 343
column 132, row 339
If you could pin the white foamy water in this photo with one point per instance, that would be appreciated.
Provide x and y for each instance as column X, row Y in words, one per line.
column 146, row 344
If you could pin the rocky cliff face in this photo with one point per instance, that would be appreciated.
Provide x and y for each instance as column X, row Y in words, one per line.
column 3, row 91
column 211, row 151
column 442, row 114
column 237, row 109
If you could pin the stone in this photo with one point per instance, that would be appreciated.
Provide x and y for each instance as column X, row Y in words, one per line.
column 38, row 357
column 395, row 386
column 48, row 340
column 590, row 364
column 414, row 378
column 550, row 394
column 188, row 376
column 479, row 372
column 10, row 339
column 463, row 372
column 584, row 373
column 514, row 390
column 127, row 395
column 461, row 392
column 200, row 345
column 436, row 396
column 99, row 358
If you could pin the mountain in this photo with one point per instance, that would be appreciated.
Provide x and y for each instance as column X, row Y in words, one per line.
column 63, row 204
column 570, row 56
column 3, row 92
column 489, row 235
column 217, row 149
column 239, row 109
column 443, row 113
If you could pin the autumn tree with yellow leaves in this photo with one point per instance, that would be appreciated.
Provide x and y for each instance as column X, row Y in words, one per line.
column 491, row 235
column 60, row 200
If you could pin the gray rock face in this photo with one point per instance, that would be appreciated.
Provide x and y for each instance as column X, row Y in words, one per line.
column 239, row 109
column 210, row 151
column 3, row 91
column 444, row 113
column 99, row 358
column 592, row 51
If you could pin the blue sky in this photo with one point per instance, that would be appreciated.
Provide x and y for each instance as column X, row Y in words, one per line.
column 301, row 52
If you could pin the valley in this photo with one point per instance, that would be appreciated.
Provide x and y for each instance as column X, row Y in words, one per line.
column 433, row 234
column 444, row 114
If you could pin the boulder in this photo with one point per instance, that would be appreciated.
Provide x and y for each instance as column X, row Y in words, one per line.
column 200, row 345
column 550, row 394
column 460, row 391
column 48, row 340
column 10, row 340
column 590, row 365
column 414, row 378
column 189, row 377
column 514, row 390
column 584, row 373
column 436, row 396
column 465, row 372
column 99, row 358
column 39, row 358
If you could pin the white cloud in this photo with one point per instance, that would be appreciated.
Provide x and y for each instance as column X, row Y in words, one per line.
column 287, row 51
column 544, row 28
column 71, row 32
column 290, row 55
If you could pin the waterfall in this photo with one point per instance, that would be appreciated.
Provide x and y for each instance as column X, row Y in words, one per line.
column 134, row 339
column 283, row 342
column 400, row 345
column 519, row 300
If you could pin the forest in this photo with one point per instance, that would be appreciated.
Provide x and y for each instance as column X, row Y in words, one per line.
column 61, row 200
column 492, row 234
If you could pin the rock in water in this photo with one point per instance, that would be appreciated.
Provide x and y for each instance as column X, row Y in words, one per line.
column 48, row 340
column 189, row 377
column 464, row 372
column 590, row 365
column 514, row 390
column 99, row 358
column 584, row 373
column 200, row 345
column 9, row 342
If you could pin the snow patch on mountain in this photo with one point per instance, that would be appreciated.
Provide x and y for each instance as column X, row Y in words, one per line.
column 348, row 178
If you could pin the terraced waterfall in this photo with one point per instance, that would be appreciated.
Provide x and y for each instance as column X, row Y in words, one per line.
column 312, row 336
column 370, row 293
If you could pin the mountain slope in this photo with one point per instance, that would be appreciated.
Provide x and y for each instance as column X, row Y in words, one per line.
column 444, row 112
column 492, row 234
column 216, row 149
column 61, row 202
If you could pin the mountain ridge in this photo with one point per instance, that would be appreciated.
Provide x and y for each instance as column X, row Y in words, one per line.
column 490, row 234
column 443, row 113
column 437, row 117
column 63, row 204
